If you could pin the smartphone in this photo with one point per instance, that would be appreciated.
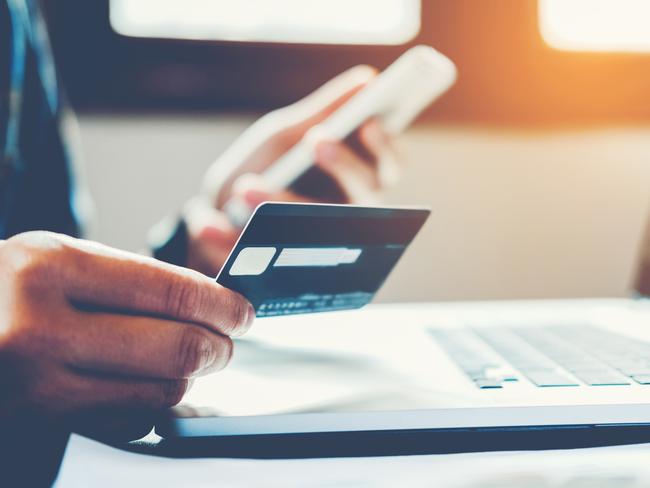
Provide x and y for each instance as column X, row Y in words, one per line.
column 395, row 97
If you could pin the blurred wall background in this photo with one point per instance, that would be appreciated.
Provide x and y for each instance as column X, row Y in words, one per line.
column 537, row 164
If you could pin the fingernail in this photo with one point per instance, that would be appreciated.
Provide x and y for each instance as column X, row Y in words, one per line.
column 251, row 316
column 248, row 322
column 327, row 152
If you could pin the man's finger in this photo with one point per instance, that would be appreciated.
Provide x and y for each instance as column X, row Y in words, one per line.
column 253, row 190
column 212, row 236
column 117, row 392
column 111, row 425
column 379, row 145
column 320, row 104
column 104, row 277
column 143, row 346
column 356, row 180
column 206, row 223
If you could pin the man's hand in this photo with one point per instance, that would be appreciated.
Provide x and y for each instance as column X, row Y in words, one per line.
column 355, row 170
column 85, row 328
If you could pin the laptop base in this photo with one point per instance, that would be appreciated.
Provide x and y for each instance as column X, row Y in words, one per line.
column 413, row 442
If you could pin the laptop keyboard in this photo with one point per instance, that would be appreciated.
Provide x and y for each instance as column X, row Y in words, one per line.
column 547, row 356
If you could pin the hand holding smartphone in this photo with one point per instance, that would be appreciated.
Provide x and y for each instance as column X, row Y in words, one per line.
column 395, row 97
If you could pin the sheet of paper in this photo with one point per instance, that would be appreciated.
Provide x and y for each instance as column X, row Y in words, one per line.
column 88, row 463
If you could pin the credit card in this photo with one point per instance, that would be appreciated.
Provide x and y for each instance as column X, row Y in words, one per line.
column 306, row 258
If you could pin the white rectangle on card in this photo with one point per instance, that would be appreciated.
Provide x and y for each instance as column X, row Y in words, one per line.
column 317, row 256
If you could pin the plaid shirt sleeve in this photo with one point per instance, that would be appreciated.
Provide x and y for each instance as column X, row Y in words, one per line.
column 37, row 190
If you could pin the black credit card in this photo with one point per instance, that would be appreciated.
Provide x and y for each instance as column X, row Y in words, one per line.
column 305, row 258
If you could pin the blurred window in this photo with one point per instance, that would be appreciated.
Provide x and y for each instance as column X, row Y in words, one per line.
column 596, row 25
column 383, row 22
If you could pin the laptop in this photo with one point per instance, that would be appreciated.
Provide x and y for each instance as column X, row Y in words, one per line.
column 430, row 378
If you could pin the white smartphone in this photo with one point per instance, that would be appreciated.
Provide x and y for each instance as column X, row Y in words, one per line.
column 396, row 97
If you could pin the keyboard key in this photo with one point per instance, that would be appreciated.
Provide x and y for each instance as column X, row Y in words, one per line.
column 594, row 370
column 465, row 349
column 643, row 379
column 509, row 378
column 600, row 379
column 488, row 383
column 548, row 355
column 635, row 371
column 546, row 379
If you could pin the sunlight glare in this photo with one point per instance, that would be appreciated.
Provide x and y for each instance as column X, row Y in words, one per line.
column 596, row 25
column 300, row 21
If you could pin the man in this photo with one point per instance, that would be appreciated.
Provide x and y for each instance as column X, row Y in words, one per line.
column 86, row 328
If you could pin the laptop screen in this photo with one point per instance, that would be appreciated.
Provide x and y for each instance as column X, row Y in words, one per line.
column 643, row 277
